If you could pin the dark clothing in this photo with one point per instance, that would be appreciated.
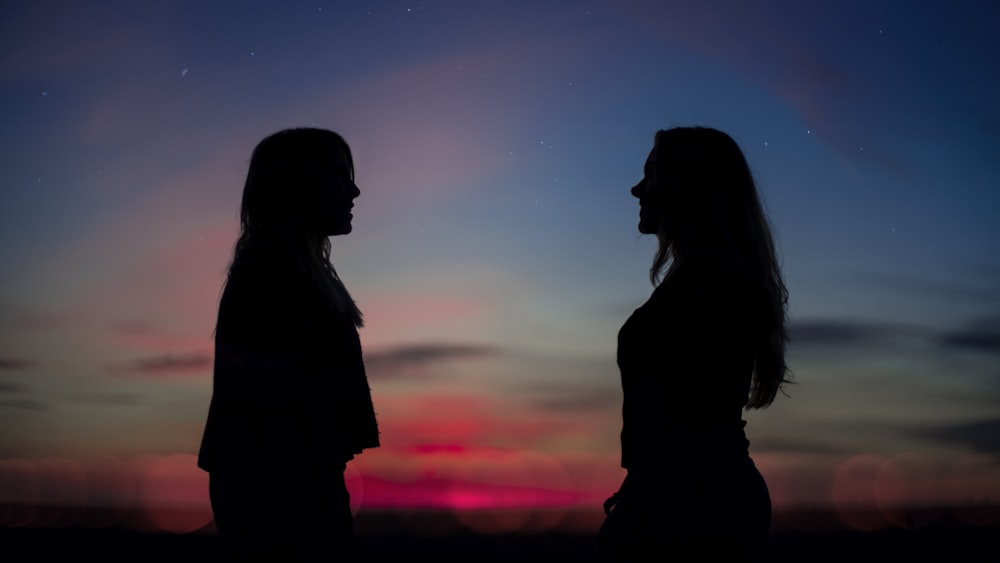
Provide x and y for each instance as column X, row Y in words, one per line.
column 290, row 406
column 275, row 512
column 686, row 358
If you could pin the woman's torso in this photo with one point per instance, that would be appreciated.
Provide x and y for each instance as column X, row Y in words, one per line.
column 289, row 385
column 686, row 360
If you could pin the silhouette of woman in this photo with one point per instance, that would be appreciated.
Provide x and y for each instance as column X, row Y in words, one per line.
column 290, row 402
column 708, row 343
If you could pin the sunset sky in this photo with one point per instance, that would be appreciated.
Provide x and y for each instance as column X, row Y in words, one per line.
column 495, row 251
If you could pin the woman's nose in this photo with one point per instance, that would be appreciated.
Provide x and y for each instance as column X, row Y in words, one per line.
column 637, row 190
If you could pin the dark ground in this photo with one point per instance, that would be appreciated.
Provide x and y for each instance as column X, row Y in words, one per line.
column 934, row 542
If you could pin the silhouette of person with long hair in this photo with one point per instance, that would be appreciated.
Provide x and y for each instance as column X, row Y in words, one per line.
column 709, row 343
column 290, row 402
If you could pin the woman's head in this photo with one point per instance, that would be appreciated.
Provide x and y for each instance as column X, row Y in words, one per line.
column 300, row 185
column 698, row 196
column 300, row 191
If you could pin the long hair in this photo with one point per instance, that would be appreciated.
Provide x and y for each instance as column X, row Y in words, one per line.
column 279, row 204
column 711, row 205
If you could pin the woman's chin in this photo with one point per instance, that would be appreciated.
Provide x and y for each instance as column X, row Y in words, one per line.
column 339, row 230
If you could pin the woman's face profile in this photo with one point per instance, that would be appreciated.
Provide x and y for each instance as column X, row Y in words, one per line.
column 648, row 192
column 335, row 195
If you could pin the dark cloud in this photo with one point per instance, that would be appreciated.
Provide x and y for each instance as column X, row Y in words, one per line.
column 167, row 365
column 7, row 387
column 114, row 398
column 836, row 333
column 982, row 436
column 979, row 336
column 23, row 404
column 588, row 400
column 397, row 361
column 13, row 364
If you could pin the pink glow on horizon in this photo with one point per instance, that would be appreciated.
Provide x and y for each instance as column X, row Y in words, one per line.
column 454, row 420
column 169, row 493
column 449, row 494
column 438, row 448
column 466, row 420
